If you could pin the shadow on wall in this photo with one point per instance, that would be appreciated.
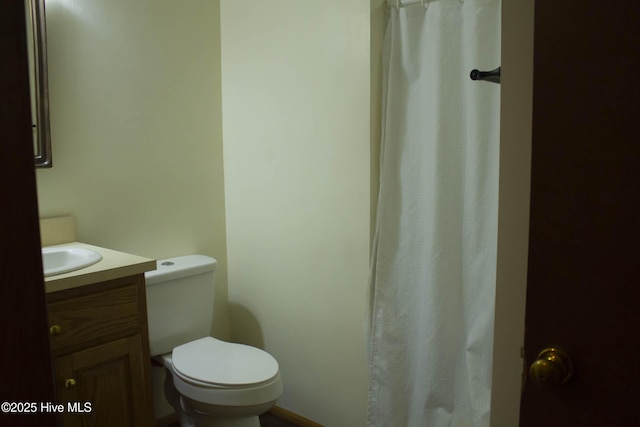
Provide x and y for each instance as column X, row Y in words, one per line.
column 245, row 328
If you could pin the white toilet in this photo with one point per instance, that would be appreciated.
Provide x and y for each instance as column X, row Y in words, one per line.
column 210, row 383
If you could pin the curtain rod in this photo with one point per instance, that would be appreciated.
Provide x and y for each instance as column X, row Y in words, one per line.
column 404, row 3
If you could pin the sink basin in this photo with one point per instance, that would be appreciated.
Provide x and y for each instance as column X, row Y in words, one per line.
column 63, row 259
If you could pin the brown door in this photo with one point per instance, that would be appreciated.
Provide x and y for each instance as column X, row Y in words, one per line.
column 26, row 377
column 583, row 292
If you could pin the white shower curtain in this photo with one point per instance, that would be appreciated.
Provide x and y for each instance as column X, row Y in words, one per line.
column 434, row 255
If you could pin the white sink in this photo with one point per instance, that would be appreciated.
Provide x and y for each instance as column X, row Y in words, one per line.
column 63, row 259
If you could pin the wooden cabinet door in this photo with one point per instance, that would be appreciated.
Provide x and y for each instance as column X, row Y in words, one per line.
column 105, row 384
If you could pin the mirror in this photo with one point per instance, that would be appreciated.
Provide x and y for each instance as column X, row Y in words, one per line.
column 37, row 53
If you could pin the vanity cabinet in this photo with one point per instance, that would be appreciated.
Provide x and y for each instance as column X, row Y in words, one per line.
column 100, row 347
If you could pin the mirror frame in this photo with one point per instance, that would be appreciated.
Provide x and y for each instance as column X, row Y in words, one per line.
column 38, row 51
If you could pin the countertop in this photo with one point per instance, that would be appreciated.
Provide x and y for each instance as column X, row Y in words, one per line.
column 113, row 265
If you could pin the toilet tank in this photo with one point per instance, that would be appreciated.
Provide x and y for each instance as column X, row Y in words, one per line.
column 179, row 301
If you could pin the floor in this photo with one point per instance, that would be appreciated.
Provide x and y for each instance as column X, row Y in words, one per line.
column 266, row 420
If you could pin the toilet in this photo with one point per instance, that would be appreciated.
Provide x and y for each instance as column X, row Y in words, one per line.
column 209, row 382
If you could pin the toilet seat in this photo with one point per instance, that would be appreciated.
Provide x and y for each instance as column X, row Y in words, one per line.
column 208, row 362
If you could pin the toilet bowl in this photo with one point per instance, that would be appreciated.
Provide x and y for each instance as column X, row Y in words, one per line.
column 209, row 382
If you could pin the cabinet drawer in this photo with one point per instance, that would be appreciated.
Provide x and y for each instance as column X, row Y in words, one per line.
column 87, row 320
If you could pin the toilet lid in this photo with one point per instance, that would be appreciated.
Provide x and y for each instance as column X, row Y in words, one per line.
column 217, row 362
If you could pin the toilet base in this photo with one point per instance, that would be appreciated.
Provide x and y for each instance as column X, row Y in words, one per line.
column 197, row 414
column 206, row 420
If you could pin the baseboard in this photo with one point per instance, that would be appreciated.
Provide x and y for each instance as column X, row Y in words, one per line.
column 279, row 412
column 294, row 418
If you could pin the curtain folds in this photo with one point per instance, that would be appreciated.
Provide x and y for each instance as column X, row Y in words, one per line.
column 434, row 255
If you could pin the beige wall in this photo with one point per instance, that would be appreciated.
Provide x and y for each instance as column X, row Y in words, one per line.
column 296, row 113
column 136, row 128
column 513, row 225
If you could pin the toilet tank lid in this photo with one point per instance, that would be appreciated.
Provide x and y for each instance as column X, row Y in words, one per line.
column 178, row 267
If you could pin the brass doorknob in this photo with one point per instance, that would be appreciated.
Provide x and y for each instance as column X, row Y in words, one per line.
column 552, row 369
column 69, row 383
column 55, row 330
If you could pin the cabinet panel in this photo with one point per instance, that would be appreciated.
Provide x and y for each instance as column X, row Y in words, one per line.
column 100, row 346
column 94, row 318
column 110, row 378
